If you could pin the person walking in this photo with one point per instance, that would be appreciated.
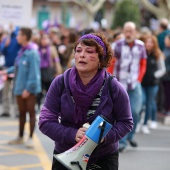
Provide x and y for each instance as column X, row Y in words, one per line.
column 81, row 94
column 9, row 48
column 27, row 84
column 154, row 71
column 129, row 69
column 49, row 64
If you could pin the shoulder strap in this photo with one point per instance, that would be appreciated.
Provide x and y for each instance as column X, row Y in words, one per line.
column 109, row 86
column 111, row 91
column 62, row 86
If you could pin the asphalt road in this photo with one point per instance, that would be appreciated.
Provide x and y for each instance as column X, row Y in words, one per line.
column 153, row 152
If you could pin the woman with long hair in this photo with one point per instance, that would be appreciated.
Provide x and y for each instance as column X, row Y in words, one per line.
column 154, row 71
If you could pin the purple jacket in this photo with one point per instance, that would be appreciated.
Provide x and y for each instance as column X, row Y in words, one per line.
column 113, row 108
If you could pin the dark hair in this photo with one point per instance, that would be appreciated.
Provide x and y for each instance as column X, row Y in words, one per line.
column 86, row 31
column 27, row 32
column 72, row 37
column 106, row 60
column 116, row 34
column 163, row 26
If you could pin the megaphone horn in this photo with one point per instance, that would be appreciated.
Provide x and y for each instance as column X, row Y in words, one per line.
column 76, row 158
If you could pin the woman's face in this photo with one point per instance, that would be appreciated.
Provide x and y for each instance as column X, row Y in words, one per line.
column 149, row 44
column 45, row 41
column 86, row 59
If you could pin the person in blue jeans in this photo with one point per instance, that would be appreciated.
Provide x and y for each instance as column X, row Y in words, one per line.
column 154, row 71
column 135, row 97
column 129, row 69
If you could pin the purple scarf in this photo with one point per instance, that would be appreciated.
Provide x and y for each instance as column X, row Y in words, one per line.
column 21, row 52
column 84, row 95
column 45, row 57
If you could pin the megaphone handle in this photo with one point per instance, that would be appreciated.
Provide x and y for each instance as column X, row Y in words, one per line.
column 100, row 137
column 76, row 163
column 102, row 131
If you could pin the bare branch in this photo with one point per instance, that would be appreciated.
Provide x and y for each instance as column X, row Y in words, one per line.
column 152, row 8
column 92, row 6
column 168, row 4
column 77, row 2
column 96, row 6
column 162, row 4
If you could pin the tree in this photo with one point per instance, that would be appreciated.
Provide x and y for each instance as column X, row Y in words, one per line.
column 92, row 6
column 160, row 11
column 126, row 10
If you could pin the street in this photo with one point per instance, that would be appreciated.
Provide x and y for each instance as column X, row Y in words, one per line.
column 153, row 152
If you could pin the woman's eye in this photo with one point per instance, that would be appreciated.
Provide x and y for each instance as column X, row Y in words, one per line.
column 90, row 51
column 78, row 51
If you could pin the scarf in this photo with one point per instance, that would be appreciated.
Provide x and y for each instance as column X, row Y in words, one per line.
column 45, row 56
column 84, row 95
column 21, row 52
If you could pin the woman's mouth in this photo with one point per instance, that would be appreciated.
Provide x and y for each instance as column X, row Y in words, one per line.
column 82, row 62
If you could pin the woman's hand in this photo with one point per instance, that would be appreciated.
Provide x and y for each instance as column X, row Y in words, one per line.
column 25, row 94
column 80, row 133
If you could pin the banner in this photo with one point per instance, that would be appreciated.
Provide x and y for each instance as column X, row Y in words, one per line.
column 17, row 12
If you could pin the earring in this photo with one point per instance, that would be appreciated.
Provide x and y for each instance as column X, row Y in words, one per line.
column 99, row 66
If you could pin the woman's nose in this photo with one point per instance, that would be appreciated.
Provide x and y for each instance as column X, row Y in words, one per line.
column 82, row 54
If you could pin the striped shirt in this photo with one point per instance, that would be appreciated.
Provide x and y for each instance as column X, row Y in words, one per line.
column 95, row 103
column 127, row 66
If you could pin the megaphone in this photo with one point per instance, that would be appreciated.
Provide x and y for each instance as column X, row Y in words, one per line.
column 76, row 158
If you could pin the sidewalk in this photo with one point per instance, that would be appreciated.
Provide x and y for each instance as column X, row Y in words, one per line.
column 153, row 152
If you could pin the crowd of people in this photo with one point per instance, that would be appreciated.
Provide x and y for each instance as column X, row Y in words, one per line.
column 138, row 58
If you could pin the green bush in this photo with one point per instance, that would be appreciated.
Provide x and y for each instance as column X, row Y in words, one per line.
column 126, row 10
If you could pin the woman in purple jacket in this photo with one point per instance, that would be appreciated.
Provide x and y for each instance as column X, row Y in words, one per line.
column 79, row 96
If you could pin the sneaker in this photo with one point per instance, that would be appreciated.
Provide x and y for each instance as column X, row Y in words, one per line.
column 29, row 143
column 5, row 114
column 153, row 125
column 17, row 141
column 133, row 143
column 138, row 128
column 145, row 129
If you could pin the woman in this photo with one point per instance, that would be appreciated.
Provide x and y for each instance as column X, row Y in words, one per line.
column 27, row 83
column 49, row 64
column 81, row 98
column 155, row 70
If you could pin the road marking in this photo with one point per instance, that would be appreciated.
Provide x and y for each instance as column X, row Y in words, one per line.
column 38, row 150
column 160, row 149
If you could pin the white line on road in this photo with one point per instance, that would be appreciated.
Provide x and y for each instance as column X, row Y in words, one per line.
column 160, row 149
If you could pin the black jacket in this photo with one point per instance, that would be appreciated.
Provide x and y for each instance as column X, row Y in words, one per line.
column 149, row 79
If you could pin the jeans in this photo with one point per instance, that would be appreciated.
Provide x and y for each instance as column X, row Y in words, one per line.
column 135, row 97
column 149, row 99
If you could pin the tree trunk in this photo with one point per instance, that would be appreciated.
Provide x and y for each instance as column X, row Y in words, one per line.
column 92, row 7
column 162, row 11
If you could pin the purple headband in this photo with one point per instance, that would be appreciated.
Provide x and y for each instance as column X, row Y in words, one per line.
column 96, row 38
